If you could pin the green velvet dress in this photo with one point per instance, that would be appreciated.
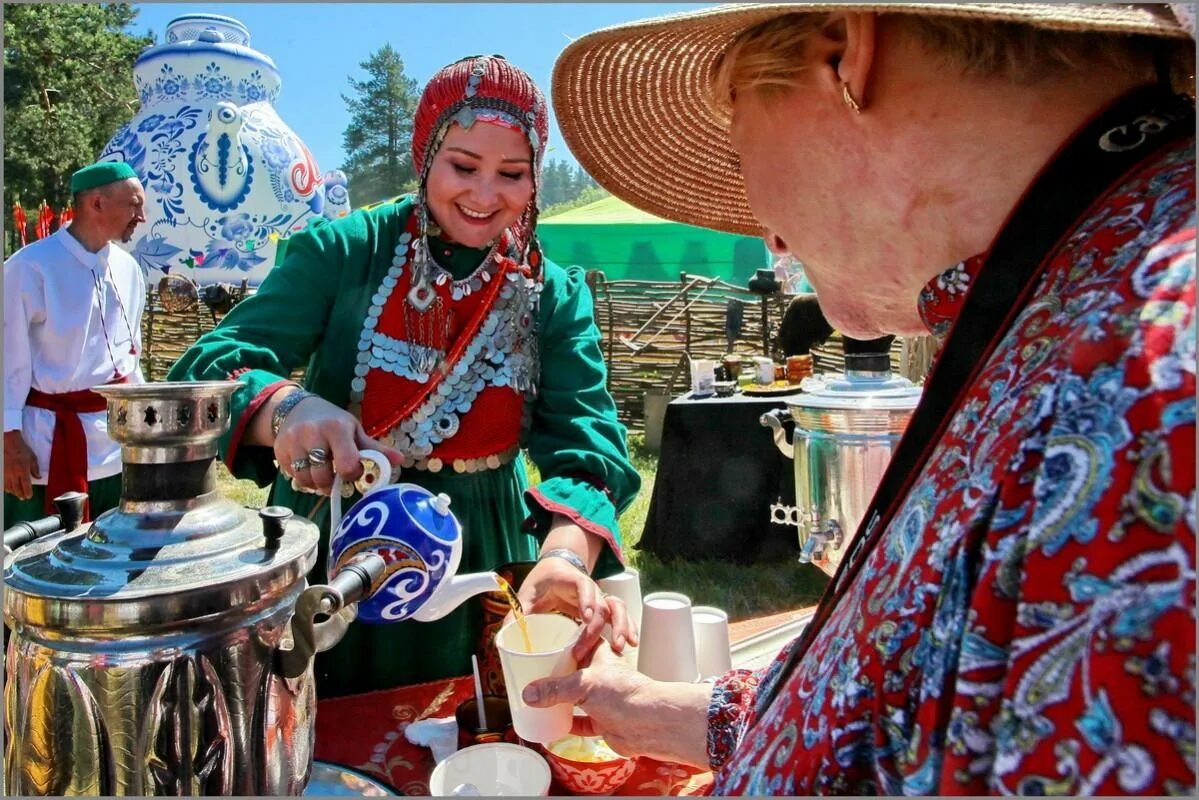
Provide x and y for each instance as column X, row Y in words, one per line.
column 310, row 311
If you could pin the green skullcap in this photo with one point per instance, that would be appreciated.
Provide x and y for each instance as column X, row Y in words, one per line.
column 100, row 174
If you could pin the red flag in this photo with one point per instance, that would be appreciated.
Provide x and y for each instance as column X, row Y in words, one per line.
column 44, row 218
column 19, row 221
column 65, row 216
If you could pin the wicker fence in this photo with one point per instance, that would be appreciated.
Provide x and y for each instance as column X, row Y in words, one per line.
column 649, row 331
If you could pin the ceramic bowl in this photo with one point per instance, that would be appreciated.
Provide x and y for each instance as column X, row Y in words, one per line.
column 492, row 769
column 586, row 765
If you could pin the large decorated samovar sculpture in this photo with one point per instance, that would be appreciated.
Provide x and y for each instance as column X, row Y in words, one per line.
column 225, row 177
column 165, row 649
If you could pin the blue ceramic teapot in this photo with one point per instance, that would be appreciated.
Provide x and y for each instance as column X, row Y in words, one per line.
column 417, row 536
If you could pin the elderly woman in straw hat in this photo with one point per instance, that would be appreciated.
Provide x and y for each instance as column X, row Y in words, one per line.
column 1016, row 614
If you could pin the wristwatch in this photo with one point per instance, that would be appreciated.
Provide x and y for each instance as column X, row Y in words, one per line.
column 569, row 556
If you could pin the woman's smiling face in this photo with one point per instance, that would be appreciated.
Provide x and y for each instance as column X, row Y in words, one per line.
column 480, row 182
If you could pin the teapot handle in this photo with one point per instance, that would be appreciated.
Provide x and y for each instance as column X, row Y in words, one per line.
column 366, row 487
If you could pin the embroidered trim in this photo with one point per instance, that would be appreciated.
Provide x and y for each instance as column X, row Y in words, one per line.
column 536, row 495
column 244, row 420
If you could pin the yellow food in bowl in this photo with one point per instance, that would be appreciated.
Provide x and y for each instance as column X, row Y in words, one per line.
column 585, row 749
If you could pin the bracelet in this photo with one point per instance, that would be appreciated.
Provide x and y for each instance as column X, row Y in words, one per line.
column 285, row 406
column 569, row 556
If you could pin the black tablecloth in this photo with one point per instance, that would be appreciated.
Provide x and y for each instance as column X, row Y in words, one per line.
column 718, row 473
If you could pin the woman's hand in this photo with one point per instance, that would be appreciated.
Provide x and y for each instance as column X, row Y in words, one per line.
column 316, row 424
column 557, row 585
column 637, row 716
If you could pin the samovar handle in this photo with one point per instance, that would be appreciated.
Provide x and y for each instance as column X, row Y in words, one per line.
column 337, row 600
column 774, row 420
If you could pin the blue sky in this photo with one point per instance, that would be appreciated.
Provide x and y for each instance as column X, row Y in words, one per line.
column 317, row 46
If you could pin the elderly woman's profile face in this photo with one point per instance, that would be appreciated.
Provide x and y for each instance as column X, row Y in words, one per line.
column 825, row 184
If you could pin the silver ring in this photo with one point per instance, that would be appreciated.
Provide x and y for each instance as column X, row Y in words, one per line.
column 300, row 464
column 318, row 455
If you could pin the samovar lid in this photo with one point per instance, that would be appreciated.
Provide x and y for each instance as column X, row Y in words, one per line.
column 853, row 392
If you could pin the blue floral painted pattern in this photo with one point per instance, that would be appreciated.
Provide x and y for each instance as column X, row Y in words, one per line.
column 1027, row 622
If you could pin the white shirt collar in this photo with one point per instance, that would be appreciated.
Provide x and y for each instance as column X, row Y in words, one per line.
column 97, row 260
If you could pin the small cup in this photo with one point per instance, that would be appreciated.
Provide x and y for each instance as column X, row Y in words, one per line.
column 732, row 363
column 713, row 656
column 492, row 769
column 499, row 722
column 627, row 586
column 667, row 650
column 552, row 636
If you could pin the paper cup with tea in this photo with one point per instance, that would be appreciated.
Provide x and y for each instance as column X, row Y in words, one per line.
column 544, row 654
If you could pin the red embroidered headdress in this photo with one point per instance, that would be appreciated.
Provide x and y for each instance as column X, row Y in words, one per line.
column 484, row 89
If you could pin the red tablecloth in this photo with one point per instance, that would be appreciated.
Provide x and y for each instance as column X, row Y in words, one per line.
column 366, row 732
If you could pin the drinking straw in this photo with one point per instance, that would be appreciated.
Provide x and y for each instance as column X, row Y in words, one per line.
column 474, row 665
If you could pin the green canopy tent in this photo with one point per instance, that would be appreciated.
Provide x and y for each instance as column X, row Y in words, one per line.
column 626, row 243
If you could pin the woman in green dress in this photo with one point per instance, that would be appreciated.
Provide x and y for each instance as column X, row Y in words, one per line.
column 432, row 330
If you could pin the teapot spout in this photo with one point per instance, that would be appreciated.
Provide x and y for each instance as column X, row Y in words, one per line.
column 454, row 592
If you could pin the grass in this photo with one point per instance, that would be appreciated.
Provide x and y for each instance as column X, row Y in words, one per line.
column 743, row 591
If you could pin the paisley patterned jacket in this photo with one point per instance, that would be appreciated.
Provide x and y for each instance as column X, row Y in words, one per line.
column 1026, row 623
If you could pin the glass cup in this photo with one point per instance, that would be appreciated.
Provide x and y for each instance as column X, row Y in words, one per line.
column 499, row 722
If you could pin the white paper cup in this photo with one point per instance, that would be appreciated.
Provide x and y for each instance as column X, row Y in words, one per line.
column 667, row 651
column 713, row 656
column 494, row 769
column 552, row 636
column 627, row 586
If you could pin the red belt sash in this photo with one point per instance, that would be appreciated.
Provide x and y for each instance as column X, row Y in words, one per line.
column 68, row 447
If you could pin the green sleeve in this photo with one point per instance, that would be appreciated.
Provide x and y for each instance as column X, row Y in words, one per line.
column 269, row 334
column 575, row 439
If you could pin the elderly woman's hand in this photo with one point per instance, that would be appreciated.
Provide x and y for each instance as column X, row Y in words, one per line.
column 636, row 715
column 556, row 585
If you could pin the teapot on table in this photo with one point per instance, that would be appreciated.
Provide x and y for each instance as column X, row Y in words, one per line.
column 417, row 536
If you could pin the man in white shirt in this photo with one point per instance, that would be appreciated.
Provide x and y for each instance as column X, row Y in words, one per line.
column 72, row 321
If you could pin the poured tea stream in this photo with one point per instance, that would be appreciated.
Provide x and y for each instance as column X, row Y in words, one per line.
column 514, row 603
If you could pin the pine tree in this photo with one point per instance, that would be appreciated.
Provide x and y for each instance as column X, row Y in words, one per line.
column 68, row 87
column 378, row 140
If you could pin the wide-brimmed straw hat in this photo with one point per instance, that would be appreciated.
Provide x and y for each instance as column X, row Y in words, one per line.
column 633, row 105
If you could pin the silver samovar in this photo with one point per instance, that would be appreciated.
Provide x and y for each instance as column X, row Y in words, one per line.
column 846, row 427
column 166, row 648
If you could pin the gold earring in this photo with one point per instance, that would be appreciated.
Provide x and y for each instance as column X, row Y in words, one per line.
column 848, row 98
